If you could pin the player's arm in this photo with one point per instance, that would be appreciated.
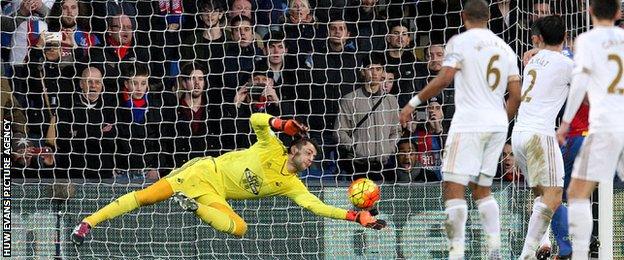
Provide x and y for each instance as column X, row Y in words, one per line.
column 302, row 196
column 444, row 78
column 514, row 88
column 575, row 99
column 514, row 98
column 578, row 87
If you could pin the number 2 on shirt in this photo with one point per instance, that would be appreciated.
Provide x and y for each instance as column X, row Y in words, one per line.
column 533, row 75
column 613, row 86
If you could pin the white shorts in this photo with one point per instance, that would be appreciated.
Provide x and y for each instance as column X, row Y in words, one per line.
column 539, row 158
column 472, row 157
column 600, row 157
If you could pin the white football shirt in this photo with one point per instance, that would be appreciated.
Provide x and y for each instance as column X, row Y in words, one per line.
column 545, row 87
column 484, row 63
column 600, row 53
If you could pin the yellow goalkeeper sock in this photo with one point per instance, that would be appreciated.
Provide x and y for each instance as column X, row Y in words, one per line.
column 157, row 192
column 222, row 218
column 123, row 204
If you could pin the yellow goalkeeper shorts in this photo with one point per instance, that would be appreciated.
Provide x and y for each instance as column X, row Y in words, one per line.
column 196, row 178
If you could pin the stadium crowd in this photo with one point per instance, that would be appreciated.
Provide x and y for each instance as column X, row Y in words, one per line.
column 132, row 89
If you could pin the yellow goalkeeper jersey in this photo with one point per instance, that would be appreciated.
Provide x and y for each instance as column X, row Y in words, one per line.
column 261, row 171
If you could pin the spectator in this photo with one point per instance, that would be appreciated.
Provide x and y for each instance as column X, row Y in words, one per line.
column 103, row 11
column 282, row 69
column 16, row 15
column 388, row 84
column 30, row 161
column 68, row 17
column 336, row 64
column 508, row 169
column 83, row 139
column 138, row 121
column 504, row 20
column 436, row 20
column 11, row 110
column 197, row 122
column 429, row 143
column 270, row 15
column 409, row 163
column 434, row 55
column 367, row 24
column 26, row 35
column 158, row 26
column 334, row 75
column 119, row 48
column 39, row 84
column 206, row 44
column 533, row 11
column 367, row 127
column 241, row 8
column 35, row 8
column 303, row 34
column 400, row 57
column 257, row 95
column 240, row 56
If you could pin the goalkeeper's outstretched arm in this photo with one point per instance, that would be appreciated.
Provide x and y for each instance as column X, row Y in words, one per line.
column 302, row 196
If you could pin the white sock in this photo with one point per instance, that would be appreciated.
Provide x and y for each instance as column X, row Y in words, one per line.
column 546, row 238
column 456, row 216
column 538, row 225
column 490, row 220
column 580, row 221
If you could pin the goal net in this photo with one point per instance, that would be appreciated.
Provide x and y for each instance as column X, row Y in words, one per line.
column 82, row 130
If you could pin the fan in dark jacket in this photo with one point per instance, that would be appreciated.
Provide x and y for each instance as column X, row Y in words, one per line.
column 84, row 139
column 139, row 116
column 197, row 127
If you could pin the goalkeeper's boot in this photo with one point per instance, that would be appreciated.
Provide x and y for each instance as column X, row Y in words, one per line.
column 186, row 203
column 80, row 232
column 543, row 253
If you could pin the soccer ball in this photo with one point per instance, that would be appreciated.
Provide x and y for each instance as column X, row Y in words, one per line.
column 363, row 193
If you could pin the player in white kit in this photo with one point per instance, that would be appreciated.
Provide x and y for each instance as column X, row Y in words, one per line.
column 545, row 88
column 483, row 67
column 599, row 65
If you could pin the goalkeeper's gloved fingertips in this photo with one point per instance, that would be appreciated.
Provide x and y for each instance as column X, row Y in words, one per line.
column 351, row 215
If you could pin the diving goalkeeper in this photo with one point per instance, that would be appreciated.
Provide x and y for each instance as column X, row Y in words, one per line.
column 203, row 185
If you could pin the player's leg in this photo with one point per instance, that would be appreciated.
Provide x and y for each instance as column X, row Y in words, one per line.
column 456, row 210
column 489, row 214
column 580, row 216
column 544, row 171
column 215, row 211
column 457, row 165
column 157, row 192
column 541, row 216
column 596, row 162
column 489, row 211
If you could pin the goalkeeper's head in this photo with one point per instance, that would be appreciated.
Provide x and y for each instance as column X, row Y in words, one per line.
column 301, row 153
